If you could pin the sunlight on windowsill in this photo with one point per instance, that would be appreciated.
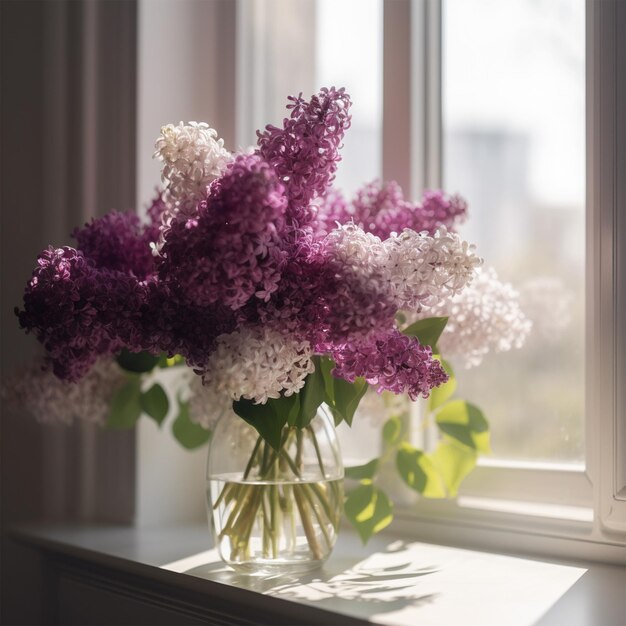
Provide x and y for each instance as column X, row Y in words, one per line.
column 410, row 583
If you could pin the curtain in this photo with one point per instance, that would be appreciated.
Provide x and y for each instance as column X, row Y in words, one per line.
column 68, row 154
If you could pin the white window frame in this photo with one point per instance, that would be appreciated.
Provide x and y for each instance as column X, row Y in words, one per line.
column 570, row 509
column 565, row 509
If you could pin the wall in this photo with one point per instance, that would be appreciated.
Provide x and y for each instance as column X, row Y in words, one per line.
column 186, row 61
column 68, row 145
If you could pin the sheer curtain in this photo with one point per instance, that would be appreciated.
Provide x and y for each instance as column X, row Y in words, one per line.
column 68, row 154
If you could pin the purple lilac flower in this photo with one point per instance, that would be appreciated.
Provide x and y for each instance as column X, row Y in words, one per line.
column 391, row 361
column 156, row 212
column 232, row 250
column 120, row 242
column 76, row 310
column 318, row 301
column 305, row 152
column 167, row 323
column 380, row 208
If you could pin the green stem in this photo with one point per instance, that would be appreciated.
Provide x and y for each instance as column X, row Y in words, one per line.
column 299, row 448
column 240, row 502
column 318, row 515
column 268, row 530
column 276, row 524
column 317, row 450
column 246, row 472
column 309, row 531
column 315, row 488
column 268, row 503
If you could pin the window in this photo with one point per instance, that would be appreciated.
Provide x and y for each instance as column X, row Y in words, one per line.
column 513, row 122
column 490, row 99
column 288, row 48
column 525, row 139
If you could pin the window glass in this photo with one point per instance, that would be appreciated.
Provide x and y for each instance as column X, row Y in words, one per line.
column 349, row 54
column 514, row 145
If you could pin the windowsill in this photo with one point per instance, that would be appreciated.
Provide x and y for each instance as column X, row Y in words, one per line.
column 388, row 582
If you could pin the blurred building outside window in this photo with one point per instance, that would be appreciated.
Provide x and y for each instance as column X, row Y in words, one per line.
column 513, row 143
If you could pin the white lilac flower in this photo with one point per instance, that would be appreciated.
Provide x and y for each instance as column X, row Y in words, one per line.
column 206, row 406
column 360, row 255
column 257, row 364
column 485, row 316
column 414, row 270
column 52, row 400
column 424, row 270
column 192, row 157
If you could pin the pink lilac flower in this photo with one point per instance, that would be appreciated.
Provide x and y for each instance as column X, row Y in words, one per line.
column 232, row 250
column 76, row 310
column 305, row 152
column 390, row 361
column 332, row 209
column 381, row 209
column 438, row 209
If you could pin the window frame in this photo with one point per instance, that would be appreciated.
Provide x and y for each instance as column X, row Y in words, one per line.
column 597, row 486
column 584, row 505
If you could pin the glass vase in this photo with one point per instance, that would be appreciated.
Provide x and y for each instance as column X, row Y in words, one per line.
column 275, row 511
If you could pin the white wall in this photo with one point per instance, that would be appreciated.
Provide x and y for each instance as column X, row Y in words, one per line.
column 185, row 72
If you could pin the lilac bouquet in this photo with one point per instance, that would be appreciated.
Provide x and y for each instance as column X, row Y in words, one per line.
column 276, row 293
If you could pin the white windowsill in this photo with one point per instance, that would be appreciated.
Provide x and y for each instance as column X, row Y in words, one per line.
column 389, row 582
column 533, row 509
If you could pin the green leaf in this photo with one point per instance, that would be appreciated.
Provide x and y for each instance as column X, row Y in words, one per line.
column 154, row 402
column 362, row 472
column 465, row 423
column 454, row 462
column 427, row 330
column 347, row 397
column 292, row 405
column 326, row 367
column 189, row 434
column 268, row 419
column 369, row 510
column 419, row 472
column 342, row 396
column 312, row 395
column 137, row 362
column 440, row 395
column 392, row 430
column 125, row 406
